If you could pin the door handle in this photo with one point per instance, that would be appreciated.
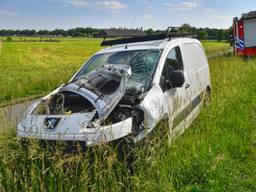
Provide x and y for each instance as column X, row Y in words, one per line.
column 187, row 85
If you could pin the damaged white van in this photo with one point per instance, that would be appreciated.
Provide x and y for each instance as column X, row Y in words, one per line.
column 124, row 90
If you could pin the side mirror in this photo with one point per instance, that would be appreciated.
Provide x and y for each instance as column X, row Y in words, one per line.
column 177, row 78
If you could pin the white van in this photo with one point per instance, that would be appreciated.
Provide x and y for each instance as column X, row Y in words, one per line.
column 124, row 90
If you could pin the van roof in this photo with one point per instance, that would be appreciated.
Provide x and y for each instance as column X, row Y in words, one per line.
column 157, row 44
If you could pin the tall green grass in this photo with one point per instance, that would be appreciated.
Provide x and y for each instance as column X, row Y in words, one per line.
column 213, row 47
column 217, row 153
column 31, row 69
column 34, row 68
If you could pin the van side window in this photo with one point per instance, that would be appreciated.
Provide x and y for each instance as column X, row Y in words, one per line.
column 174, row 59
column 173, row 62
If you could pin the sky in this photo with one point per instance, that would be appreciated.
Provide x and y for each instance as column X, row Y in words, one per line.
column 156, row 14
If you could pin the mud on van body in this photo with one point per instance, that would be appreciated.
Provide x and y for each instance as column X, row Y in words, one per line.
column 125, row 90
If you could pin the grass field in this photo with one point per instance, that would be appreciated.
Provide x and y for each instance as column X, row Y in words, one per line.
column 212, row 47
column 30, row 69
column 36, row 68
column 217, row 153
column 1, row 47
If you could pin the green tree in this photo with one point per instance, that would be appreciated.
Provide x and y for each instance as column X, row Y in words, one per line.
column 186, row 28
column 220, row 35
column 149, row 31
column 202, row 34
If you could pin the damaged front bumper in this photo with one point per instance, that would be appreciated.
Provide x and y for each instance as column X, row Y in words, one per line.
column 92, row 136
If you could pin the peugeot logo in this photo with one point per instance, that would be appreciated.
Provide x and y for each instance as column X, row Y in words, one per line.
column 51, row 122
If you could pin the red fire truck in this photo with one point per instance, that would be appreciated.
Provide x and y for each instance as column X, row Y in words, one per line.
column 244, row 34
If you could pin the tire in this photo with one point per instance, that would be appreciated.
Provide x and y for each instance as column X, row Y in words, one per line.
column 127, row 152
column 207, row 97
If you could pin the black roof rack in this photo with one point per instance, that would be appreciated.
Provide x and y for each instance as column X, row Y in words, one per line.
column 121, row 33
column 146, row 38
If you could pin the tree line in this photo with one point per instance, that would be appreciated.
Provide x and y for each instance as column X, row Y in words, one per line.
column 203, row 33
column 76, row 32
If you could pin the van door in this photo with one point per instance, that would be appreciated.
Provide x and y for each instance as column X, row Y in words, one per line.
column 196, row 61
column 177, row 97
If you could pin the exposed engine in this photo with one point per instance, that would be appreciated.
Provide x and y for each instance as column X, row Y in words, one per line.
column 64, row 103
column 123, row 110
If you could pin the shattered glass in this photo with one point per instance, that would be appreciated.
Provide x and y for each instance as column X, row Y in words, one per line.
column 142, row 63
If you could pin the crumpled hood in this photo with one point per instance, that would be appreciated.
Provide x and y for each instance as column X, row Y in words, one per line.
column 103, row 87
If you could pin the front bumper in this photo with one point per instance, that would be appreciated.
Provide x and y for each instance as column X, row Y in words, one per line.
column 91, row 136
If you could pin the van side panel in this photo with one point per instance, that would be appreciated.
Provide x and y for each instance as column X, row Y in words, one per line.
column 196, row 63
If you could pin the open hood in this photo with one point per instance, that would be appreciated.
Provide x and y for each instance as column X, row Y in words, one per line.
column 101, row 89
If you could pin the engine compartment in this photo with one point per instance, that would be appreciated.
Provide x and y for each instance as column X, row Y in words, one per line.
column 63, row 103
column 124, row 109
column 68, row 102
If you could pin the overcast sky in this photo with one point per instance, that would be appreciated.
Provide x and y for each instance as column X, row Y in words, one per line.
column 156, row 14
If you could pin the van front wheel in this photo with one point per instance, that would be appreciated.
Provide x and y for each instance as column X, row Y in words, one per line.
column 207, row 97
